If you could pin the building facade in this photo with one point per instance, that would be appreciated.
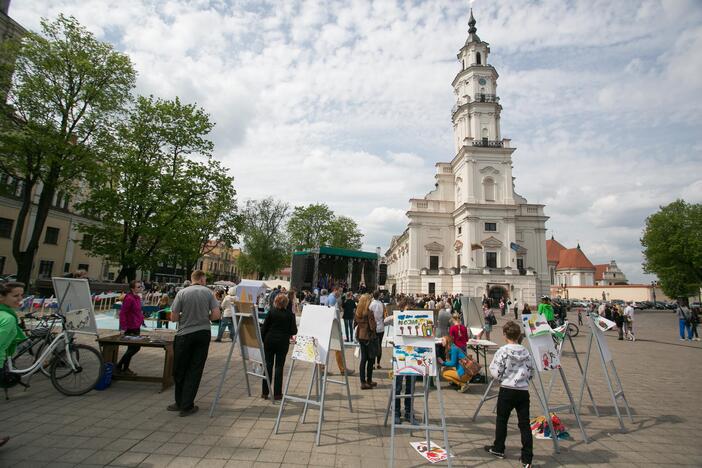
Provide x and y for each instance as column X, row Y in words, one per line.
column 473, row 234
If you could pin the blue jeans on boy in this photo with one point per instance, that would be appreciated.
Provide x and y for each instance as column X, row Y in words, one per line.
column 225, row 322
column 685, row 325
column 409, row 390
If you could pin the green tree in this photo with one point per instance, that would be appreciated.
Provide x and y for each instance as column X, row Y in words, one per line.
column 672, row 242
column 344, row 233
column 316, row 225
column 156, row 188
column 62, row 87
column 265, row 247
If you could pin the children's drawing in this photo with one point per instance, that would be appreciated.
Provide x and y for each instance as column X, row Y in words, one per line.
column 306, row 349
column 433, row 455
column 77, row 319
column 415, row 323
column 547, row 358
column 414, row 360
column 603, row 323
column 535, row 325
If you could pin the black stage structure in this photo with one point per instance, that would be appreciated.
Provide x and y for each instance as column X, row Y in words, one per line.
column 327, row 267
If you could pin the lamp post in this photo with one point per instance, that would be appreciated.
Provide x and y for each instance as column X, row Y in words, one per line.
column 653, row 292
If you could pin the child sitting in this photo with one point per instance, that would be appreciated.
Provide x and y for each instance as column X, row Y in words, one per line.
column 512, row 367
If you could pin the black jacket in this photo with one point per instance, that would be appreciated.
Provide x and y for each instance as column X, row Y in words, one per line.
column 278, row 327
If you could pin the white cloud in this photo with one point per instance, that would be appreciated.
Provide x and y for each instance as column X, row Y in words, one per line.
column 347, row 102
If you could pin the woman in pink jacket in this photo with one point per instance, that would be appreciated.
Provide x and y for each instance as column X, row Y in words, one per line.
column 131, row 318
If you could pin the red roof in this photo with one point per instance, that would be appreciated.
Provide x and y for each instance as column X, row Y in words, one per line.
column 553, row 250
column 574, row 259
column 600, row 270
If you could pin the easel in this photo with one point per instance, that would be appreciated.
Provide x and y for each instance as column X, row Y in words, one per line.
column 395, row 399
column 543, row 396
column 580, row 366
column 238, row 324
column 605, row 357
column 324, row 324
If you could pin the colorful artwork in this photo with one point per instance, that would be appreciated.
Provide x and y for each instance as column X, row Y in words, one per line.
column 433, row 455
column 535, row 325
column 414, row 360
column 414, row 323
column 547, row 358
column 306, row 349
column 603, row 323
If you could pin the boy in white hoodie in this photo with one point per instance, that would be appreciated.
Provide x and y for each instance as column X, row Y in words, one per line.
column 512, row 367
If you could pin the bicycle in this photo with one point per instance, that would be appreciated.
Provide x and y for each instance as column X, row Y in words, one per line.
column 38, row 338
column 74, row 368
column 572, row 329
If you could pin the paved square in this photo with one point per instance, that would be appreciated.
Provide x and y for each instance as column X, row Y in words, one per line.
column 127, row 425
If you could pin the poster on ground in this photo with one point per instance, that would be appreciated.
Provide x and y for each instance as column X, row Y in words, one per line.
column 434, row 454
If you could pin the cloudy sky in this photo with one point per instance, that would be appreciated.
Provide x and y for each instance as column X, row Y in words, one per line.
column 348, row 102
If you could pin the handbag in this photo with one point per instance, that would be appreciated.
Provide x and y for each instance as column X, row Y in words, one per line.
column 470, row 366
column 492, row 320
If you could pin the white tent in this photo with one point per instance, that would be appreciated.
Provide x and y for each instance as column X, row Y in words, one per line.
column 249, row 290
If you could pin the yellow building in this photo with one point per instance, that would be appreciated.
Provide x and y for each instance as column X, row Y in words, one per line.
column 59, row 250
column 219, row 261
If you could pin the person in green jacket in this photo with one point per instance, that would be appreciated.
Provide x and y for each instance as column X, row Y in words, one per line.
column 546, row 309
column 10, row 332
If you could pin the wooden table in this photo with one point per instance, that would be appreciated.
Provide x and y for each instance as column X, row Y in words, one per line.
column 110, row 346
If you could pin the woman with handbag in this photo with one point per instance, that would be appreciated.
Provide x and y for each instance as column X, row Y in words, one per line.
column 366, row 335
column 490, row 320
column 453, row 369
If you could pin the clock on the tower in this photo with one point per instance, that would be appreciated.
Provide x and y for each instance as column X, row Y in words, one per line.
column 482, row 81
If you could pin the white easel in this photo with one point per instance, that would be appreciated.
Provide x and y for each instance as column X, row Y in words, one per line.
column 605, row 358
column 241, row 322
column 321, row 323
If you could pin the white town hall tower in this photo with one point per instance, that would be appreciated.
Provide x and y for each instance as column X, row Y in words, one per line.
column 473, row 234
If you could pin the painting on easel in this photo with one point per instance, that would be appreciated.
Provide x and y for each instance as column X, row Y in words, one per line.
column 413, row 360
column 414, row 323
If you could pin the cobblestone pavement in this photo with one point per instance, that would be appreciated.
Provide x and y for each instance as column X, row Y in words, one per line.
column 127, row 425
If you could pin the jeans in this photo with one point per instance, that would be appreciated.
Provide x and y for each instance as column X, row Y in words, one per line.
column 685, row 326
column 123, row 363
column 190, row 354
column 380, row 346
column 507, row 400
column 275, row 351
column 348, row 326
column 409, row 389
column 366, row 371
column 224, row 323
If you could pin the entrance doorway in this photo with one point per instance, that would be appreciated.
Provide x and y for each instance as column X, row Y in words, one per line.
column 496, row 293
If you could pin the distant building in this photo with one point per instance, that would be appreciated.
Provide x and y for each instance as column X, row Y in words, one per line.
column 220, row 261
column 608, row 274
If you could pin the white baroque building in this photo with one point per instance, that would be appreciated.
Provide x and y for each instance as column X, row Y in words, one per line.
column 473, row 234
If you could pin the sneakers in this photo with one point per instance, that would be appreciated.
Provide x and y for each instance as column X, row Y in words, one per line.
column 489, row 449
column 187, row 412
column 463, row 388
column 365, row 386
column 525, row 465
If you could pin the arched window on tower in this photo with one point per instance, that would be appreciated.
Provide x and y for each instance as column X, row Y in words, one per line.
column 485, row 135
column 489, row 189
column 477, row 58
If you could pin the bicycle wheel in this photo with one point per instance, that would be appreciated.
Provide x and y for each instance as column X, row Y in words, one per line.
column 573, row 330
column 89, row 366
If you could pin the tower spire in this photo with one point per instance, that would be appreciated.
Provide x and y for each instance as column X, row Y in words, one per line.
column 472, row 30
column 471, row 24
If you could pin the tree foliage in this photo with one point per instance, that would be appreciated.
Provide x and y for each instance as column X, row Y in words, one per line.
column 672, row 242
column 161, row 196
column 63, row 87
column 316, row 225
column 265, row 248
